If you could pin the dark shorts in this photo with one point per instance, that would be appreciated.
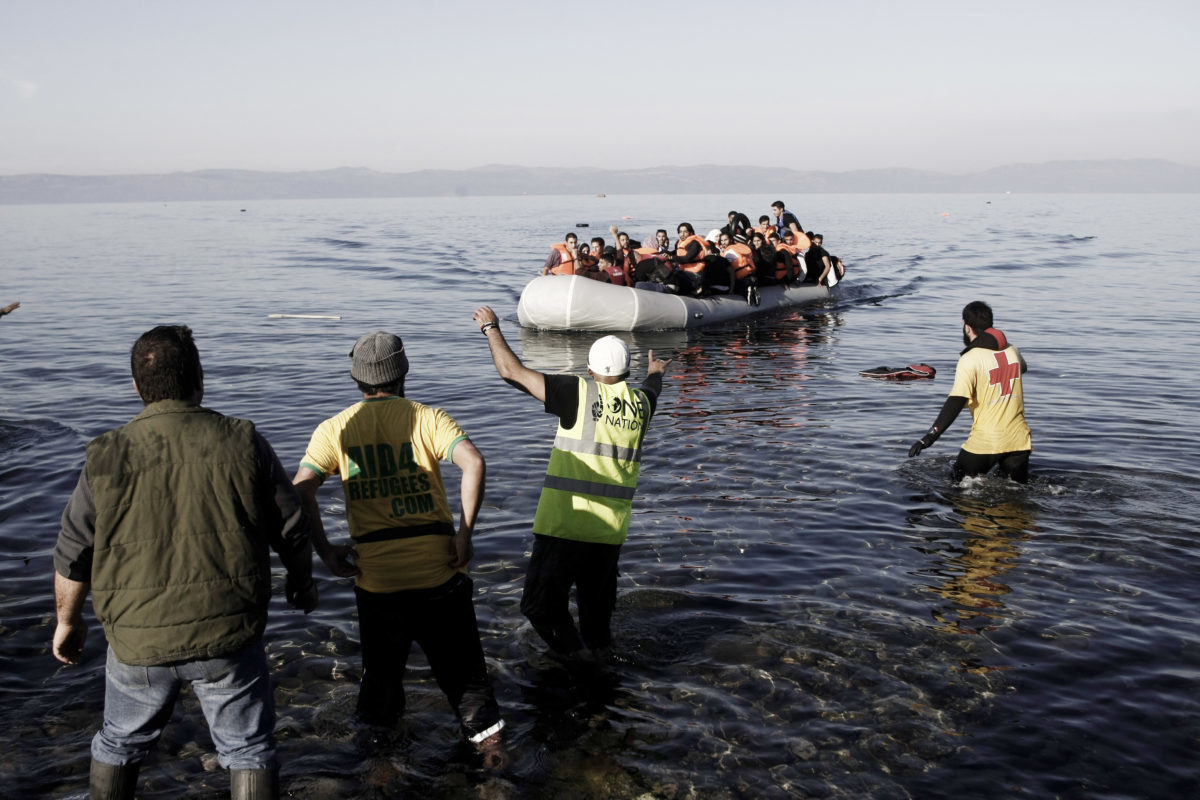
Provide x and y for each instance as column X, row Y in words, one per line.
column 1014, row 465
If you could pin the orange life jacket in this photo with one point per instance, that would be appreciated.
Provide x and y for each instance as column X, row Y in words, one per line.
column 790, row 266
column 566, row 266
column 681, row 250
column 743, row 259
column 616, row 275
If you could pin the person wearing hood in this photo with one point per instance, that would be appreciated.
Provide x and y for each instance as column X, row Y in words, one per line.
column 988, row 381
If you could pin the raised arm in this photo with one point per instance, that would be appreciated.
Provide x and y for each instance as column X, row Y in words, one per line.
column 507, row 364
column 654, row 373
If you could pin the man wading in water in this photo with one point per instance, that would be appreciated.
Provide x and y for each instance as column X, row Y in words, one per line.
column 583, row 515
column 988, row 381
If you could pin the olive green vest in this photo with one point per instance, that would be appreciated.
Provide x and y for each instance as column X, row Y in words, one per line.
column 588, row 492
column 181, row 569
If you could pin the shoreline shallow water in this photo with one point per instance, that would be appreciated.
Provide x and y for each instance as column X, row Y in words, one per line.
column 803, row 612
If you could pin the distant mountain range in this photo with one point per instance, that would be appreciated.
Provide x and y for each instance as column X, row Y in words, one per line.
column 1119, row 176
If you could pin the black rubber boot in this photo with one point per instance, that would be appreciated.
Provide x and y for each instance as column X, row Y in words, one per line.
column 112, row 781
column 254, row 784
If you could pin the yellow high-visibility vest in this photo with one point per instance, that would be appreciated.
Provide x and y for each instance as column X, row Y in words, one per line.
column 588, row 492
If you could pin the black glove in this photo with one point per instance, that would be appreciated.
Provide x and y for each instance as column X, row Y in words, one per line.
column 921, row 444
column 303, row 597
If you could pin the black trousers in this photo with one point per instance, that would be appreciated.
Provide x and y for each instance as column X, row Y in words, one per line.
column 1014, row 465
column 556, row 564
column 442, row 621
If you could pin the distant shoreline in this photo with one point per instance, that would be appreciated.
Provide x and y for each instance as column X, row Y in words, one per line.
column 1129, row 176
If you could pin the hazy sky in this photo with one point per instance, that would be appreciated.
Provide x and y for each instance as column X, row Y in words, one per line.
column 121, row 87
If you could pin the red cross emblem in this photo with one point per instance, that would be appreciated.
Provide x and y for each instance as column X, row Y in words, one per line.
column 1004, row 373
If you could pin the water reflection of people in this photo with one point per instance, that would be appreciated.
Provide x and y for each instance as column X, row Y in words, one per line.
column 970, row 573
column 584, row 511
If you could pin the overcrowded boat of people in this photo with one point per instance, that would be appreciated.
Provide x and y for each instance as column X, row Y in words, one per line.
column 735, row 271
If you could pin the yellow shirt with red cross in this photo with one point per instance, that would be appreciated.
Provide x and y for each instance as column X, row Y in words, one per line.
column 991, row 382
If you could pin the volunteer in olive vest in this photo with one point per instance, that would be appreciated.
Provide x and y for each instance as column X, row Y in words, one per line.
column 583, row 515
column 169, row 527
column 411, row 569
column 988, row 381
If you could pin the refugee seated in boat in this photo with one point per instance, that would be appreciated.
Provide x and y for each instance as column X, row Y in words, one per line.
column 593, row 267
column 614, row 273
column 816, row 262
column 765, row 226
column 739, row 226
column 839, row 269
column 705, row 269
column 741, row 260
column 766, row 260
column 625, row 250
column 790, row 267
column 561, row 260
column 690, row 250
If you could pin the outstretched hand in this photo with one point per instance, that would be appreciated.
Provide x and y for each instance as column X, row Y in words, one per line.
column 483, row 315
column 657, row 365
column 919, row 445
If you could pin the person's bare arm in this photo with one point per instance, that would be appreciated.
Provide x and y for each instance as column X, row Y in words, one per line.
column 507, row 364
column 654, row 373
column 338, row 557
column 474, row 475
column 71, row 631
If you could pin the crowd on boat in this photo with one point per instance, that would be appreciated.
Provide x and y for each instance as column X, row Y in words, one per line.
column 737, row 258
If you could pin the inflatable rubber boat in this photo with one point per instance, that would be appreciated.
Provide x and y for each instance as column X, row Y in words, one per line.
column 575, row 303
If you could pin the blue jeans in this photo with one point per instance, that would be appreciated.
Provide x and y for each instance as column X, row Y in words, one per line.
column 234, row 692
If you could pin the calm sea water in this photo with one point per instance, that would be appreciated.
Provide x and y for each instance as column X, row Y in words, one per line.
column 804, row 612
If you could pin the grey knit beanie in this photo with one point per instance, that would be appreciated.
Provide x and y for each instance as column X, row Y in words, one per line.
column 378, row 359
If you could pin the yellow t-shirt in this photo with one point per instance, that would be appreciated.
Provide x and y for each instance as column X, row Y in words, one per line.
column 991, row 382
column 386, row 451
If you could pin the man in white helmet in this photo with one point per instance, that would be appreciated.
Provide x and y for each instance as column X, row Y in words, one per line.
column 583, row 515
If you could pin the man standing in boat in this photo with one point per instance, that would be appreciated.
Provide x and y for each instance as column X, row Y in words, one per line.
column 583, row 515
column 988, row 381
column 785, row 220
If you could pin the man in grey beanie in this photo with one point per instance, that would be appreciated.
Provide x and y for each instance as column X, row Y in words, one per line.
column 408, row 558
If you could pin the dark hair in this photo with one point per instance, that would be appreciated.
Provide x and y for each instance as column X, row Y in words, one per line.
column 777, row 204
column 978, row 315
column 395, row 387
column 599, row 239
column 166, row 364
column 663, row 231
column 571, row 235
column 688, row 225
column 764, row 218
